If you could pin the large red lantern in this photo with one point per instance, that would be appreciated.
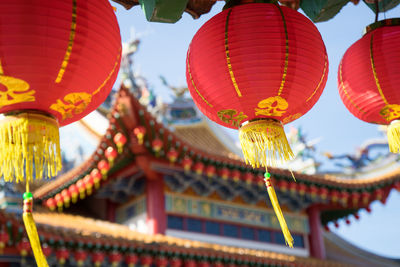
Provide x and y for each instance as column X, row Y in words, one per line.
column 255, row 67
column 58, row 62
column 369, row 79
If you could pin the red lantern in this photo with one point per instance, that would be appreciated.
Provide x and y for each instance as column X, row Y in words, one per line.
column 236, row 174
column 323, row 193
column 368, row 78
column 146, row 260
column 355, row 197
column 111, row 155
column 187, row 164
column 365, row 197
column 59, row 200
column 283, row 185
column 225, row 173
column 73, row 190
column 80, row 184
column 98, row 258
column 264, row 74
column 80, row 257
column 172, row 155
column 344, row 197
column 88, row 180
column 248, row 177
column 313, row 191
column 96, row 177
column 47, row 250
column 210, row 171
column 190, row 263
column 161, row 262
column 54, row 70
column 115, row 258
column 157, row 144
column 62, row 255
column 24, row 247
column 131, row 260
column 4, row 237
column 51, row 204
column 199, row 168
column 139, row 132
column 104, row 167
column 175, row 262
column 335, row 196
column 120, row 140
column 66, row 196
column 293, row 187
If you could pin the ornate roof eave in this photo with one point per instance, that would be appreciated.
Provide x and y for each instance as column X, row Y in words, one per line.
column 73, row 233
column 332, row 193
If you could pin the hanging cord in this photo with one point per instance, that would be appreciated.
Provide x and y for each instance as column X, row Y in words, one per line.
column 31, row 230
column 277, row 209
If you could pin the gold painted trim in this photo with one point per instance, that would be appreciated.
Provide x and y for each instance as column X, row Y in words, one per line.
column 378, row 85
column 286, row 52
column 191, row 79
column 345, row 91
column 228, row 58
column 109, row 75
column 1, row 69
column 320, row 82
column 67, row 55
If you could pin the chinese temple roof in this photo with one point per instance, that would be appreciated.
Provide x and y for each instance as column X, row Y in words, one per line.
column 337, row 197
column 73, row 233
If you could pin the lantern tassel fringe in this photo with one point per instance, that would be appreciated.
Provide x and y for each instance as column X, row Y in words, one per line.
column 30, row 147
column 393, row 134
column 278, row 211
column 31, row 230
column 264, row 143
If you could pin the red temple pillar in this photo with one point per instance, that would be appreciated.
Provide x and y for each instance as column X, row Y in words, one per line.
column 155, row 202
column 317, row 247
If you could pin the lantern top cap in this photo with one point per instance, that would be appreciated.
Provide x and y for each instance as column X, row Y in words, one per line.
column 382, row 23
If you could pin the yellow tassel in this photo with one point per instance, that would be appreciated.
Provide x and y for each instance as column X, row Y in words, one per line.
column 32, row 231
column 264, row 143
column 277, row 209
column 29, row 147
column 393, row 134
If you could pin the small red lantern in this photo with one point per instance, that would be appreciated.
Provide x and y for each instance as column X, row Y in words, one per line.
column 225, row 173
column 51, row 204
column 80, row 257
column 62, row 255
column 80, row 184
column 104, row 167
column 4, row 237
column 88, row 180
column 313, row 191
column 120, row 140
column 355, row 198
column 73, row 190
column 66, row 196
column 172, row 155
column 47, row 250
column 161, row 262
column 335, row 196
column 344, row 197
column 187, row 164
column 157, row 144
column 368, row 78
column 210, row 171
column 98, row 258
column 283, row 185
column 302, row 189
column 96, row 176
column 115, row 258
column 199, row 168
column 131, row 260
column 323, row 193
column 59, row 201
column 190, row 263
column 365, row 197
column 111, row 155
column 236, row 174
column 24, row 247
column 146, row 260
column 293, row 187
column 249, row 177
column 139, row 132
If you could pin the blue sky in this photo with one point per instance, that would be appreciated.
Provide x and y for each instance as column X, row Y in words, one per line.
column 163, row 52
